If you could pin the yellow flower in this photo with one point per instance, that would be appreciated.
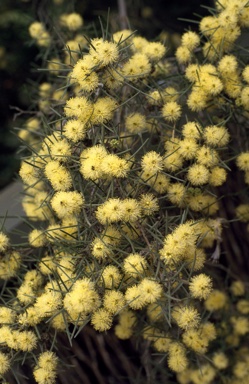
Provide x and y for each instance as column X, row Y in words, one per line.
column 91, row 160
column 72, row 21
column 54, row 64
column 171, row 111
column 158, row 182
column 122, row 37
column 59, row 322
column 149, row 204
column 71, row 50
column 134, row 297
column 60, row 150
column 216, row 300
column 152, row 162
column 195, row 258
column 74, row 130
column 104, row 52
column 200, row 286
column 114, row 166
column 243, row 306
column 79, row 107
column 138, row 66
column 110, row 211
column 9, row 265
column 44, row 376
column 237, row 288
column 130, row 210
column 220, row 360
column 58, row 175
column 135, row 123
column 190, row 40
column 162, row 344
column 198, row 174
column 29, row 173
column 114, row 301
column 103, row 110
column 243, row 161
column 127, row 318
column 135, row 264
column 36, row 29
column 216, row 136
column 37, row 238
column 186, row 317
column 47, row 265
column 25, row 294
column 4, row 363
column 208, row 25
column 107, row 53
column 173, row 161
column 211, row 84
column 183, row 54
column 197, row 100
column 155, row 98
column 174, row 248
column 195, row 340
column 154, row 50
column 4, row 242
column 5, row 334
column 228, row 65
column 241, row 371
column 122, row 332
column 139, row 43
column 48, row 360
column 7, row 315
column 242, row 212
column 100, row 249
column 44, row 89
column 82, row 298
column 192, row 72
column 112, row 79
column 150, row 290
column 204, row 374
column 67, row 204
column 101, row 320
column 245, row 73
column 240, row 325
column 207, row 156
column 44, row 39
column 188, row 148
column 205, row 203
column 24, row 341
column 111, row 235
column 217, row 176
column 48, row 303
column 244, row 97
column 177, row 360
column 154, row 312
column 208, row 330
column 111, row 276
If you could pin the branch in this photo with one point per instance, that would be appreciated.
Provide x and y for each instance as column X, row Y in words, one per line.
column 122, row 11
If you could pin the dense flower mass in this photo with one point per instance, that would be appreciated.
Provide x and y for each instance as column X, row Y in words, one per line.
column 128, row 170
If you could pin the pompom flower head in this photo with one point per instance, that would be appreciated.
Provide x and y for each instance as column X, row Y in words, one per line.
column 4, row 242
column 67, row 203
column 171, row 111
column 200, row 286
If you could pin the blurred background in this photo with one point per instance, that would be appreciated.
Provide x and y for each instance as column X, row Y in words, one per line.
column 19, row 56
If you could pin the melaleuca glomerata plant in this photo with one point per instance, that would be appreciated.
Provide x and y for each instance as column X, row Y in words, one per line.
column 127, row 153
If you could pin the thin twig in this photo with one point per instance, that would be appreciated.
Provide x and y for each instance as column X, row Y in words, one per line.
column 122, row 11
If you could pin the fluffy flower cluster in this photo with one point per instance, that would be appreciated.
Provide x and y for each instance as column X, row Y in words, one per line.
column 126, row 184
